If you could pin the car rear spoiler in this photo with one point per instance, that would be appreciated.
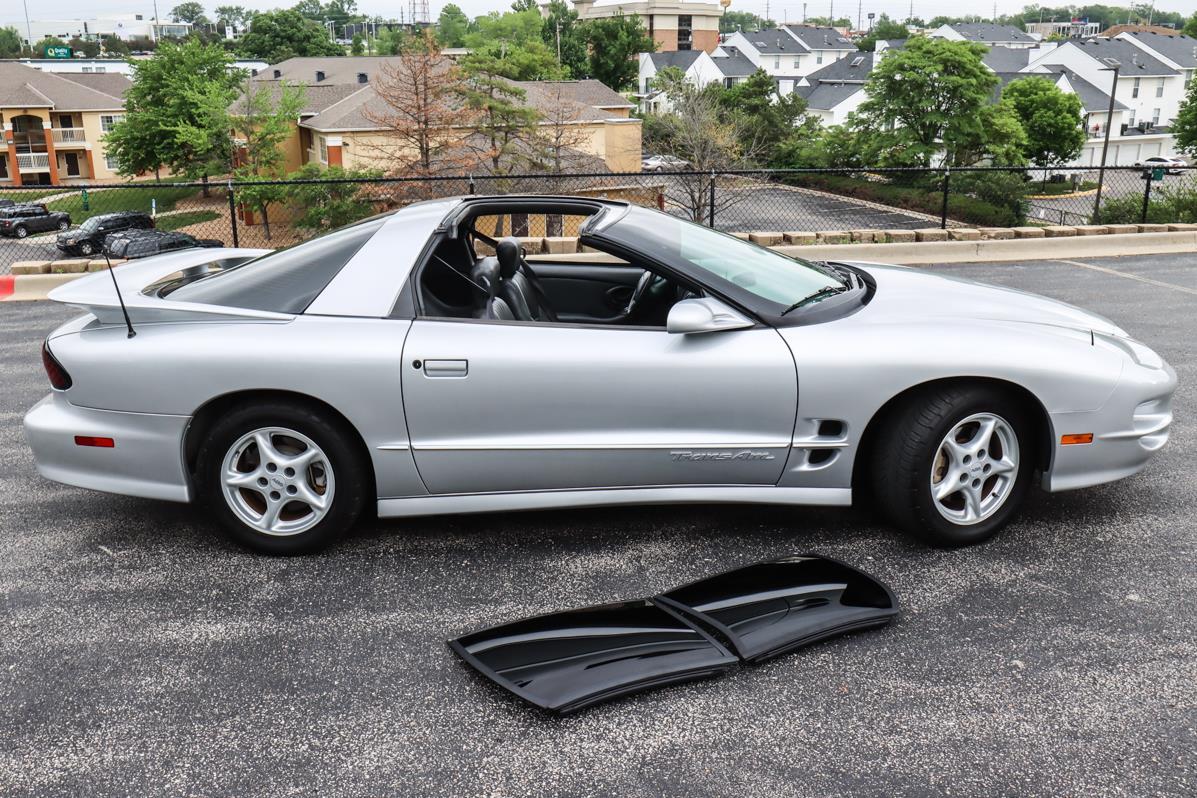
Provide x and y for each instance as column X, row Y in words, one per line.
column 97, row 295
column 567, row 660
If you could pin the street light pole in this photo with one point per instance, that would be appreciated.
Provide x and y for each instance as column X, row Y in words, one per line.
column 1105, row 147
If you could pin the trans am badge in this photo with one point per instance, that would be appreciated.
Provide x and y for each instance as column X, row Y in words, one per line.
column 688, row 455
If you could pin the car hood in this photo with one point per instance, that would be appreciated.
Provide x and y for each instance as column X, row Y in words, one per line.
column 903, row 291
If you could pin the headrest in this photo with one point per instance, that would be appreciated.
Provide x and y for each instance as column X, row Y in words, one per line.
column 508, row 252
column 485, row 275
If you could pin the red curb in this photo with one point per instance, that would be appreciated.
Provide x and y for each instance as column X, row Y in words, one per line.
column 7, row 285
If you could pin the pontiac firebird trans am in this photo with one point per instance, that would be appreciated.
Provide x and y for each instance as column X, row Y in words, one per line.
column 420, row 362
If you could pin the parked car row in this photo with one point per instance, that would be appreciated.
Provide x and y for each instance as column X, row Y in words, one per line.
column 122, row 234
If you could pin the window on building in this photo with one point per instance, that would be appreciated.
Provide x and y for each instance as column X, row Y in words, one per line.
column 685, row 27
column 111, row 163
column 797, row 62
column 777, row 62
column 108, row 121
column 819, row 57
column 1135, row 88
column 1155, row 116
column 101, row 69
column 87, row 69
column 323, row 150
column 1130, row 119
column 1159, row 89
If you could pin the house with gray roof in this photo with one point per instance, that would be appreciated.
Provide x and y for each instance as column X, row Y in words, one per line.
column 985, row 33
column 837, row 89
column 790, row 52
column 344, row 121
column 1175, row 50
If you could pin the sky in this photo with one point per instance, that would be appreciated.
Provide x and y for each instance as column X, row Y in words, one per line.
column 11, row 10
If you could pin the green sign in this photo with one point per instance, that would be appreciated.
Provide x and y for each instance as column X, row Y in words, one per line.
column 58, row 52
column 1157, row 173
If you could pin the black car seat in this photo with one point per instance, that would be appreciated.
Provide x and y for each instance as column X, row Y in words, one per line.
column 519, row 287
column 486, row 275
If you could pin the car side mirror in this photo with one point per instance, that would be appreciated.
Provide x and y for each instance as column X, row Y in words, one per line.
column 703, row 315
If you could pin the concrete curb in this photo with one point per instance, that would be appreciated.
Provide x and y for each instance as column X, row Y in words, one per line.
column 37, row 286
column 1015, row 249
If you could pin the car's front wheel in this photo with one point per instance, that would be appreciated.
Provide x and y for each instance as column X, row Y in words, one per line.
column 954, row 464
column 86, row 248
column 281, row 478
column 63, row 224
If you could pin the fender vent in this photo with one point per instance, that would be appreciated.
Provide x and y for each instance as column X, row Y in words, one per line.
column 817, row 457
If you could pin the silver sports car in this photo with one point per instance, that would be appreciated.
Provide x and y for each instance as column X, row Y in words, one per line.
column 419, row 362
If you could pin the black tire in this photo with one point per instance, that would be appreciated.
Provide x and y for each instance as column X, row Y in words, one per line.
column 908, row 448
column 86, row 248
column 349, row 468
column 63, row 224
column 21, row 231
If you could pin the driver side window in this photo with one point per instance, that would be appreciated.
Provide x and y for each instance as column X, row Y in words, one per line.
column 527, row 268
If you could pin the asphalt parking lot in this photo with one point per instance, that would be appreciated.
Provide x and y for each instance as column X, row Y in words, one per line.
column 141, row 654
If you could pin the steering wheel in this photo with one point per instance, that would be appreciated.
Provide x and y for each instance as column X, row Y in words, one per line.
column 647, row 284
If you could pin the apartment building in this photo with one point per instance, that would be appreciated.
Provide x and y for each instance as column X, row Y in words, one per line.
column 338, row 125
column 54, row 125
column 673, row 24
column 985, row 33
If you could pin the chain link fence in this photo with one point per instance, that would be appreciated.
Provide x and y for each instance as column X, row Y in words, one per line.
column 76, row 220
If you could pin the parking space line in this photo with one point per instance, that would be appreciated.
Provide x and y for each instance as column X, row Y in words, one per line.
column 1116, row 273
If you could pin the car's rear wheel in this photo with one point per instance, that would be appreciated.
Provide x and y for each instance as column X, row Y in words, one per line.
column 21, row 231
column 63, row 224
column 281, row 478
column 86, row 248
column 954, row 465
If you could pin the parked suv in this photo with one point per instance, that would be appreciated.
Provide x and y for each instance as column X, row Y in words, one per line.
column 132, row 244
column 88, row 238
column 21, row 220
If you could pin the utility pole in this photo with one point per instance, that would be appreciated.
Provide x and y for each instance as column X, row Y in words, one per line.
column 1105, row 147
column 859, row 15
column 804, row 13
column 29, row 30
column 558, row 41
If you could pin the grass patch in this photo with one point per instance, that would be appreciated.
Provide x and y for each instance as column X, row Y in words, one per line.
column 121, row 199
column 21, row 196
column 177, row 220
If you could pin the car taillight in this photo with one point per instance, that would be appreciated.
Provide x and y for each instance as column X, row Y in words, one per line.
column 54, row 370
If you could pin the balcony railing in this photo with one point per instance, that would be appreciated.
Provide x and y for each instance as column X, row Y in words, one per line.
column 33, row 161
column 69, row 135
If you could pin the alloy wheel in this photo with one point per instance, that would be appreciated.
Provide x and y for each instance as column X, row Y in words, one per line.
column 277, row 481
column 974, row 469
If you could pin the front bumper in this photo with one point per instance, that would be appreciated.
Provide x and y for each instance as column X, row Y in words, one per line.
column 146, row 461
column 1127, row 431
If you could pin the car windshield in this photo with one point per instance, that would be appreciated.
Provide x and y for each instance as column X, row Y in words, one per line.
column 749, row 268
column 89, row 225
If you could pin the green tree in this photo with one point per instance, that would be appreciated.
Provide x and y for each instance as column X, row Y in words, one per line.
column 11, row 44
column 174, row 115
column 278, row 35
column 525, row 5
column 566, row 36
column 927, row 96
column 513, row 45
column 505, row 126
column 309, row 9
column 1190, row 28
column 113, row 45
column 262, row 121
column 188, row 12
column 358, row 47
column 1051, row 119
column 452, row 26
column 392, row 41
column 883, row 28
column 732, row 21
column 614, row 43
column 766, row 118
column 827, row 22
column 88, row 49
column 49, row 41
column 1184, row 126
column 326, row 206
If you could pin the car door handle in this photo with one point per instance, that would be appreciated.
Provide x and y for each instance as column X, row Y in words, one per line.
column 446, row 368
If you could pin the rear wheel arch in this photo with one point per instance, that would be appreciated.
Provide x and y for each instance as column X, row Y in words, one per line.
column 204, row 417
column 1042, row 433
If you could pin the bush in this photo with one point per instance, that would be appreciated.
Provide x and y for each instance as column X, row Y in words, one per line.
column 1167, row 205
column 922, row 193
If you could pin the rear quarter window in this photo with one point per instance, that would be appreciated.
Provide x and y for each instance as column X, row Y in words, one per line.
column 286, row 281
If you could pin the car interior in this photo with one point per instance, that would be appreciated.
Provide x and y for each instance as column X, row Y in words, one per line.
column 483, row 272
